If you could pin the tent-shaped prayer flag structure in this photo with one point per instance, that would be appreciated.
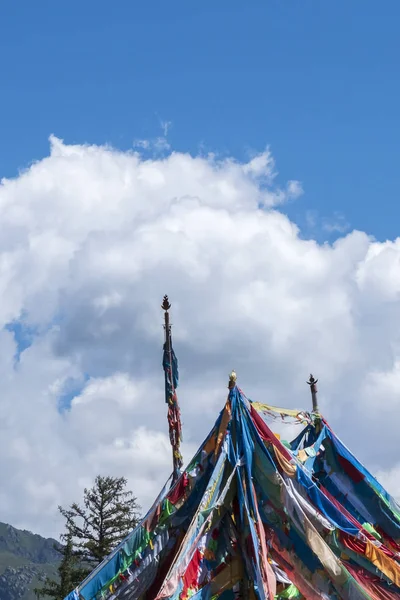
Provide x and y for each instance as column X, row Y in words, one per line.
column 253, row 517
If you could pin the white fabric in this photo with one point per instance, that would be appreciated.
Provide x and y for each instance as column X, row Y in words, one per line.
column 313, row 514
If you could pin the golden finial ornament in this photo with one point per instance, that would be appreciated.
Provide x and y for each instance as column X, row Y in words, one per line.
column 232, row 380
column 166, row 303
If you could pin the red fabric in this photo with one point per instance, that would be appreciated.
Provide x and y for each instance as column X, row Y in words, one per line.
column 267, row 435
column 153, row 519
column 191, row 575
column 384, row 549
column 371, row 584
column 174, row 420
column 352, row 543
column 163, row 570
column 388, row 539
column 367, row 534
column 347, row 466
column 286, row 560
column 179, row 489
column 359, row 546
column 350, row 469
column 342, row 509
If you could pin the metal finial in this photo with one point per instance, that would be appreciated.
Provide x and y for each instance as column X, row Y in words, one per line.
column 312, row 380
column 232, row 380
column 165, row 303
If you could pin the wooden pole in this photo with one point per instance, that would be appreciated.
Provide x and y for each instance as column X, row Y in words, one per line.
column 174, row 421
column 312, row 382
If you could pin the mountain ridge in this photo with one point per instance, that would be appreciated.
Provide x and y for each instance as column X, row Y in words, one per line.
column 26, row 559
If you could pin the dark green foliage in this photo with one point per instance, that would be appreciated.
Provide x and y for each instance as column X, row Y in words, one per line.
column 108, row 514
column 70, row 575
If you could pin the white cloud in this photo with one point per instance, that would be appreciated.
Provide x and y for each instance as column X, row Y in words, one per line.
column 92, row 238
column 337, row 224
column 294, row 189
column 165, row 126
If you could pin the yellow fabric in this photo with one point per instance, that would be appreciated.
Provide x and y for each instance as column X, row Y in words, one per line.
column 209, row 554
column 228, row 577
column 289, row 412
column 302, row 455
column 329, row 560
column 209, row 446
column 383, row 562
column 286, row 466
column 226, row 417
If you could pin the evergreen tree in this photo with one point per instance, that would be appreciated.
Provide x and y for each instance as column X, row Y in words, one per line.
column 108, row 514
column 70, row 574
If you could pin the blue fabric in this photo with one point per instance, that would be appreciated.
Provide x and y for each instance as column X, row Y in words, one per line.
column 342, row 450
column 310, row 462
column 228, row 595
column 256, row 566
column 303, row 552
column 382, row 514
column 170, row 385
column 247, row 451
column 306, row 439
column 368, row 489
column 257, row 466
column 108, row 571
column 214, row 482
column 296, row 444
column 203, row 594
column 323, row 503
column 72, row 596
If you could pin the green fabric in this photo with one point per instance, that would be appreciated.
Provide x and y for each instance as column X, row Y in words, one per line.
column 389, row 505
column 166, row 512
column 368, row 527
column 290, row 592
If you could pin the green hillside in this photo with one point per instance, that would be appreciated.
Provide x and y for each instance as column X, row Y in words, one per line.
column 25, row 560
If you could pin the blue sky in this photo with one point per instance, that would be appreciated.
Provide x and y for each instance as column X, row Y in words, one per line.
column 318, row 81
column 88, row 242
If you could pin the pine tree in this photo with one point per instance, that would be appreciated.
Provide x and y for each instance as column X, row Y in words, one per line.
column 108, row 514
column 70, row 574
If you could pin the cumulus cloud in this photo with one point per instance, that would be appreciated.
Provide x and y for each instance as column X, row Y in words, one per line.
column 92, row 238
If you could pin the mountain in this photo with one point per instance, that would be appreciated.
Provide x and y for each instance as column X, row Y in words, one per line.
column 25, row 560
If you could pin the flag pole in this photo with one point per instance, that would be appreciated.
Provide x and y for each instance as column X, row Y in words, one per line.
column 312, row 382
column 171, row 382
